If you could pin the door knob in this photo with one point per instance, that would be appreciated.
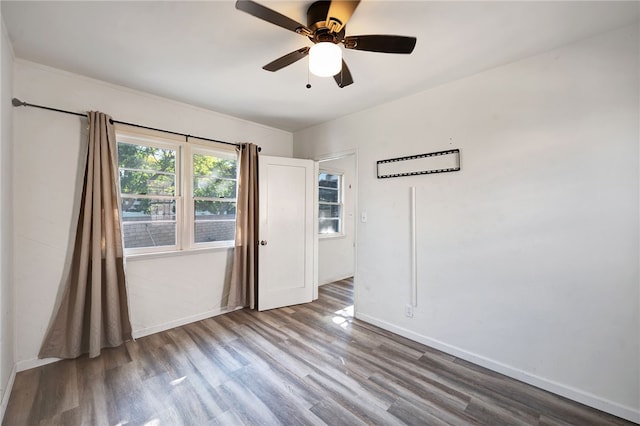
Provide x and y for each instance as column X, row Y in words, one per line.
column 263, row 243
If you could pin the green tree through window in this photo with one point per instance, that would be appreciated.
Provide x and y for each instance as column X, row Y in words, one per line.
column 214, row 197
column 153, row 186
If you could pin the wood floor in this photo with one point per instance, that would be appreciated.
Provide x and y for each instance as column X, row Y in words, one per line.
column 308, row 364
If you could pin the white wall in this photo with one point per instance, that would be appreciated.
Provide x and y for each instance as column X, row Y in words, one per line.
column 7, row 338
column 336, row 254
column 528, row 257
column 163, row 291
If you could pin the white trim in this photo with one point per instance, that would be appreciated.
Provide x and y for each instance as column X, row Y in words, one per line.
column 334, row 235
column 316, row 218
column 179, row 322
column 159, row 254
column 33, row 363
column 335, row 155
column 569, row 392
column 7, row 392
column 340, row 278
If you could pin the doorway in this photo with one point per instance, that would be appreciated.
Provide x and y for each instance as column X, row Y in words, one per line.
column 337, row 236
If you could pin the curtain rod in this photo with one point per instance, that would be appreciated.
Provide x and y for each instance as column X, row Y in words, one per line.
column 17, row 103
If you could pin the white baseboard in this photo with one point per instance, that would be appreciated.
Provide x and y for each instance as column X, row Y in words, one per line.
column 332, row 280
column 569, row 392
column 141, row 332
column 33, row 363
column 7, row 393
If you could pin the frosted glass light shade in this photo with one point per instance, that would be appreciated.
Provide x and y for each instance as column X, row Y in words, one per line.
column 325, row 59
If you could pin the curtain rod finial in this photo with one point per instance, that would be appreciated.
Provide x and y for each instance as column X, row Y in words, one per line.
column 17, row 102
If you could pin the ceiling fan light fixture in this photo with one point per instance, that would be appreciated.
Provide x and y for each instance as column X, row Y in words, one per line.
column 325, row 59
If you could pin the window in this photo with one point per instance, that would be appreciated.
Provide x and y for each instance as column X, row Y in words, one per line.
column 330, row 203
column 214, row 196
column 157, row 176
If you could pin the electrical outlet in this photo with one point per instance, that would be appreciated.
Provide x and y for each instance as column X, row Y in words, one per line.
column 408, row 311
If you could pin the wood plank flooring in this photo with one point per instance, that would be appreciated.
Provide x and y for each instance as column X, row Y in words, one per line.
column 303, row 365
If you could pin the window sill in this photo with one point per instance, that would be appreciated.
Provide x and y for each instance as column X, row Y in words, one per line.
column 331, row 236
column 162, row 254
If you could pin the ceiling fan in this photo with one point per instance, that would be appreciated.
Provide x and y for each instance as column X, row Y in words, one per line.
column 326, row 24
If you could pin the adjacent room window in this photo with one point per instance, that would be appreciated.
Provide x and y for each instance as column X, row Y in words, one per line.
column 175, row 195
column 330, row 203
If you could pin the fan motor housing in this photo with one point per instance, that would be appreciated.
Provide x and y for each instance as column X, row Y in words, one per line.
column 318, row 21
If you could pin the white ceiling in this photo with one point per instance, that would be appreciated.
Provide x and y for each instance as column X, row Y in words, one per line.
column 209, row 54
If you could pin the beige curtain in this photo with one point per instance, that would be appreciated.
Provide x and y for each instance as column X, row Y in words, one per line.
column 93, row 311
column 244, row 275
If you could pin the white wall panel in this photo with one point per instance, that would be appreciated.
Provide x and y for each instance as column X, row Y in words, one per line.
column 48, row 162
column 528, row 257
column 7, row 335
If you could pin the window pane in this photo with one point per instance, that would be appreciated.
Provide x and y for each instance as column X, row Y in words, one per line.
column 148, row 222
column 215, row 210
column 208, row 231
column 214, row 187
column 211, row 166
column 215, row 221
column 147, row 183
column 137, row 235
column 329, row 211
column 146, row 170
column 330, row 203
column 329, row 226
column 146, row 158
column 151, row 186
column 328, row 195
column 329, row 181
column 147, row 209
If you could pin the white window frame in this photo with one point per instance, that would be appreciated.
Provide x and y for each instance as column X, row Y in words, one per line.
column 196, row 148
column 185, row 217
column 340, row 203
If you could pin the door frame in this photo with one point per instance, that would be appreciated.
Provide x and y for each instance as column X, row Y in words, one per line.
column 320, row 159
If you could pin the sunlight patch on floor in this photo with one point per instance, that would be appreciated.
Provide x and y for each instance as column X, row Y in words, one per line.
column 343, row 316
column 177, row 381
column 346, row 312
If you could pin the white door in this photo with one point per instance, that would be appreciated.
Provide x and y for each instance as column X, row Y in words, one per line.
column 286, row 235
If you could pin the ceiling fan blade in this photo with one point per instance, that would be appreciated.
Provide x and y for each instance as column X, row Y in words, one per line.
column 266, row 14
column 343, row 78
column 287, row 59
column 339, row 13
column 381, row 43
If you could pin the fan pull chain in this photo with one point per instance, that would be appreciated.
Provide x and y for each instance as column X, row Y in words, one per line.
column 308, row 84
